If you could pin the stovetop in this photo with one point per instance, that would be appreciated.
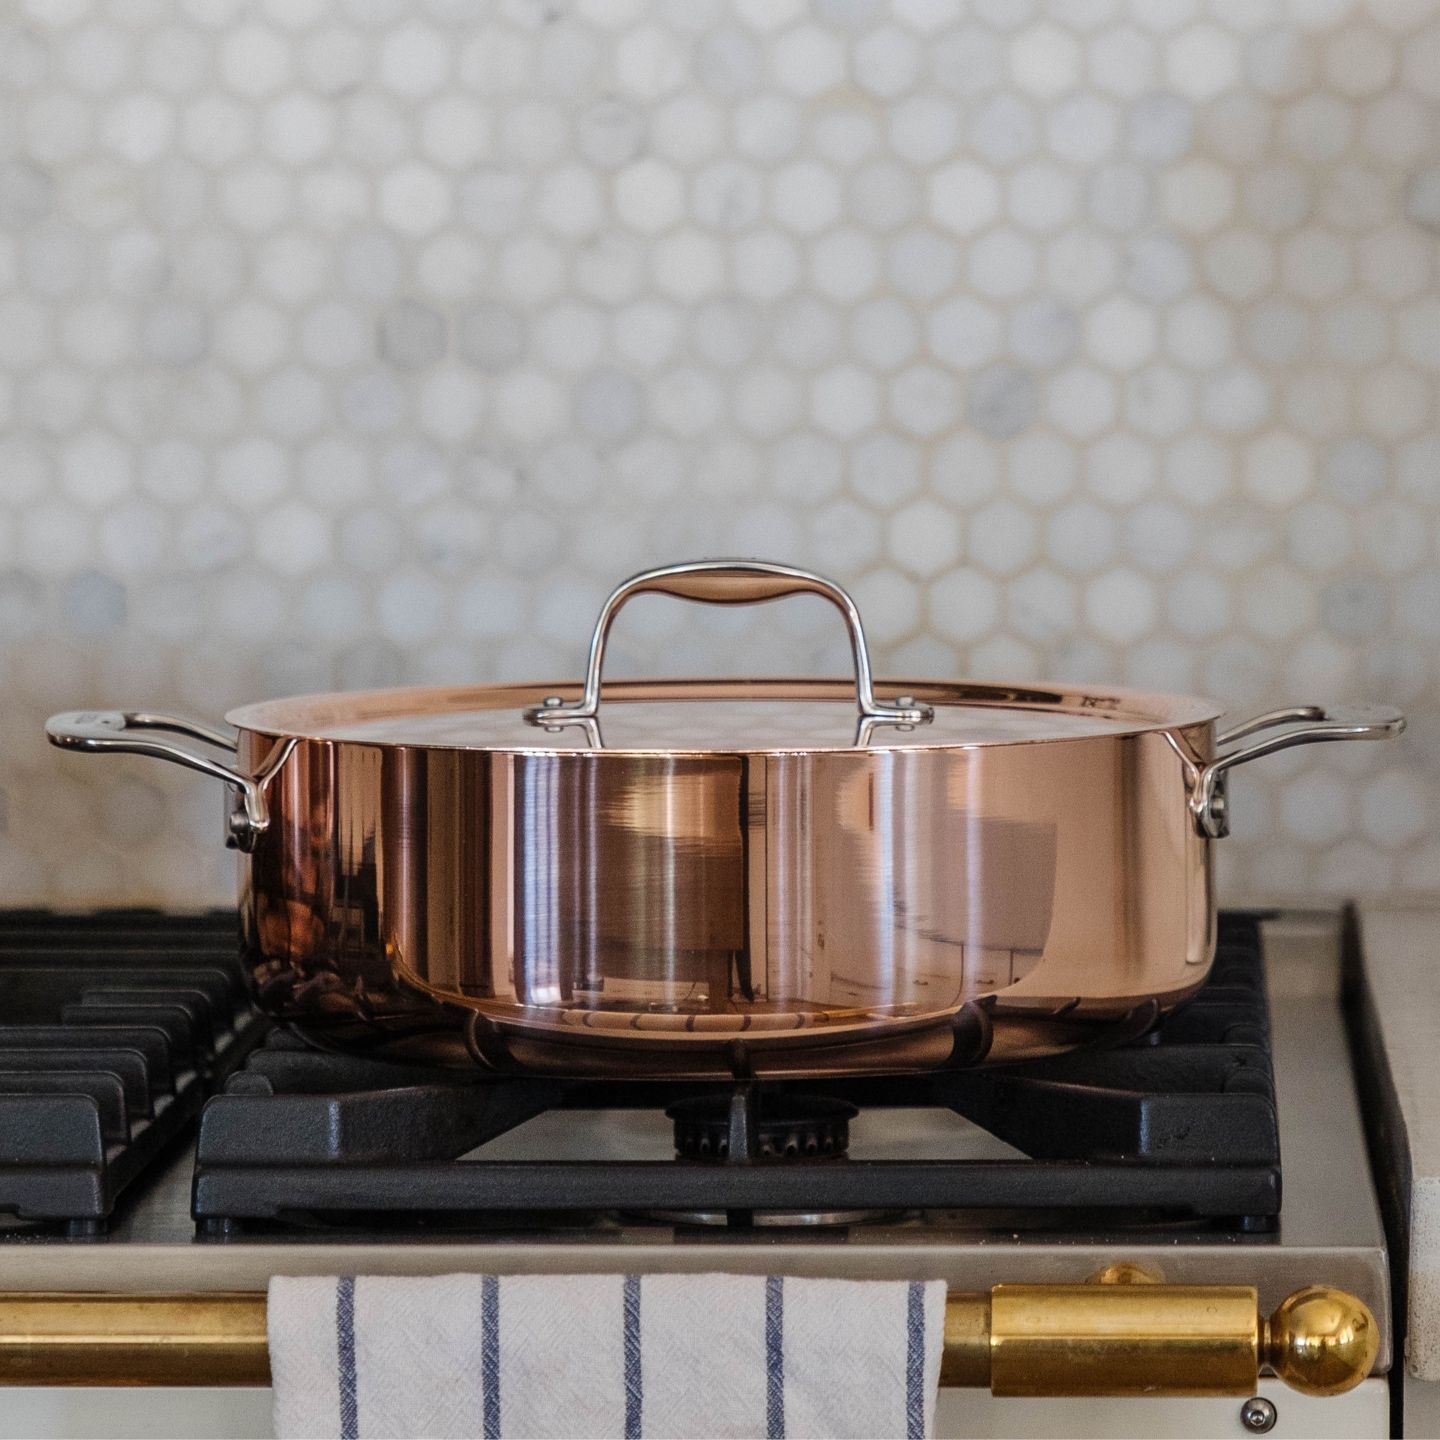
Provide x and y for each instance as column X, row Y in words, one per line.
column 906, row 1131
column 1171, row 1123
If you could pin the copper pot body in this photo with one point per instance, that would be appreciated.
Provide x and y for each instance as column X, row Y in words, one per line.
column 806, row 911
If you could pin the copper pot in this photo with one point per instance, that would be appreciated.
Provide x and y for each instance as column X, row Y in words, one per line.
column 704, row 877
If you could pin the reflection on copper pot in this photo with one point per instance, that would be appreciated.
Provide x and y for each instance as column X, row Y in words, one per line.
column 796, row 901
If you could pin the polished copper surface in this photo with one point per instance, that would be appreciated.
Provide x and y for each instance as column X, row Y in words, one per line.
column 630, row 909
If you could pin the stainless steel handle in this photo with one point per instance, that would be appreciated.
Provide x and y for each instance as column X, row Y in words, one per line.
column 124, row 731
column 1309, row 724
column 177, row 725
column 729, row 582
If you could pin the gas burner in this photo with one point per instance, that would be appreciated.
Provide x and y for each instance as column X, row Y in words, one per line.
column 747, row 1125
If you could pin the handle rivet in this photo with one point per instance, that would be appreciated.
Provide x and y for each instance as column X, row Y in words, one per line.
column 1258, row 1415
column 552, row 702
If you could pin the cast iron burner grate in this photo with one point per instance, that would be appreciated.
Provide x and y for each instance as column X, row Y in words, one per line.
column 114, row 1025
column 1179, row 1122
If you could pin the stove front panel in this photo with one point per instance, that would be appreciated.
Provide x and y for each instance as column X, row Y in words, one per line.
column 175, row 1414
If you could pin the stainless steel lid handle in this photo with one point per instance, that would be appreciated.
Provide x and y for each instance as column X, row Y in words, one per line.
column 1308, row 725
column 125, row 732
column 730, row 582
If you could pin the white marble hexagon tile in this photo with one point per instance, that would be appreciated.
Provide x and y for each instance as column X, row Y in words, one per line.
column 355, row 342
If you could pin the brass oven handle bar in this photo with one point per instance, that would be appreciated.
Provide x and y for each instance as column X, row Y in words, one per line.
column 131, row 732
column 1034, row 1340
column 1309, row 724
column 730, row 582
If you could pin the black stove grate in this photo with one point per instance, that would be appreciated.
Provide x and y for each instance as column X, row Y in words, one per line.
column 114, row 1025
column 1178, row 1122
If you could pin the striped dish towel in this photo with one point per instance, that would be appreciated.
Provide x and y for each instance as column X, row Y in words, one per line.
column 603, row 1355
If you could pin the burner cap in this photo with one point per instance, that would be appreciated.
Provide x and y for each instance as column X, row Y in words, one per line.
column 787, row 1127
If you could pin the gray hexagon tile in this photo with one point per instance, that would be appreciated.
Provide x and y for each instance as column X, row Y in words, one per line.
column 352, row 342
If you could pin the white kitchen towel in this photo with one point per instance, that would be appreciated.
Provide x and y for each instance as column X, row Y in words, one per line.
column 604, row 1355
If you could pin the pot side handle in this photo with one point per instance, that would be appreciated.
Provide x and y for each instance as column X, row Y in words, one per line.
column 730, row 582
column 125, row 732
column 1309, row 724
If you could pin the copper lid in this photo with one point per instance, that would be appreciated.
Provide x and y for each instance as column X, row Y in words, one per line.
column 723, row 716
column 718, row 716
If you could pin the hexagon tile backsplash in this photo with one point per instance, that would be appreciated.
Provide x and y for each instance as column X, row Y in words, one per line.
column 361, row 342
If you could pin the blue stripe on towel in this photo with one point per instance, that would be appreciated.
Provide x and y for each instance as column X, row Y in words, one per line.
column 345, row 1345
column 775, row 1356
column 490, row 1354
column 915, row 1363
column 634, row 1378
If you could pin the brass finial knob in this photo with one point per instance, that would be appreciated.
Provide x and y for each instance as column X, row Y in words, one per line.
column 1321, row 1341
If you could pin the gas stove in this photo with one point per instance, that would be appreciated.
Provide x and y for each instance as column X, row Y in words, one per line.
column 1178, row 1125
column 1162, row 1153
